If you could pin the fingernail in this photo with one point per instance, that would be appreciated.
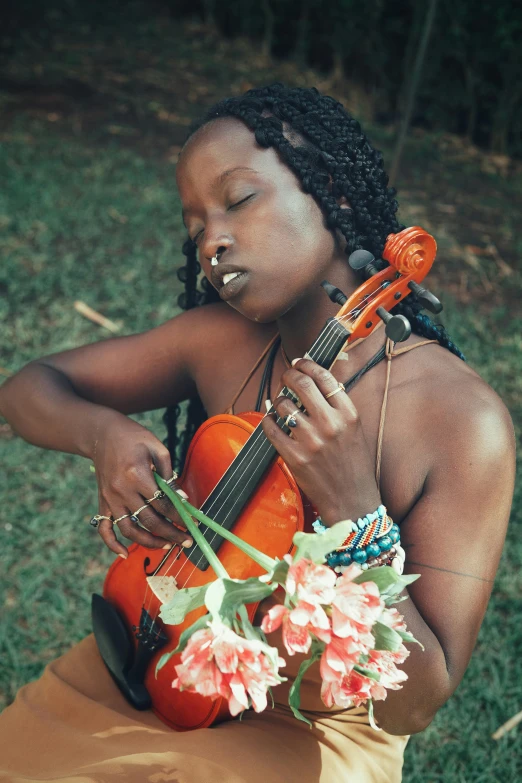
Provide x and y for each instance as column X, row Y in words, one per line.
column 120, row 554
column 294, row 361
column 187, row 543
column 182, row 493
column 167, row 546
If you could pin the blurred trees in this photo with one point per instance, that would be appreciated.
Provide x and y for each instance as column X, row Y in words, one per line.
column 471, row 81
column 472, row 75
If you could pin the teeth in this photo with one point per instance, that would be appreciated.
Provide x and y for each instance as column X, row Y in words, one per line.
column 229, row 277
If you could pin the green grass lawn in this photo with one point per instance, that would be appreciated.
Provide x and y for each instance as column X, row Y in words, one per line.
column 80, row 220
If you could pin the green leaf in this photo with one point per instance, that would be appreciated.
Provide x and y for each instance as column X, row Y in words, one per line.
column 386, row 638
column 367, row 673
column 225, row 596
column 280, row 572
column 200, row 623
column 214, row 598
column 186, row 600
column 407, row 637
column 294, row 696
column 387, row 580
column 315, row 547
column 384, row 577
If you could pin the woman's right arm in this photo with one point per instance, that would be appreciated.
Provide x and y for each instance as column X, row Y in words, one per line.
column 60, row 401
column 77, row 401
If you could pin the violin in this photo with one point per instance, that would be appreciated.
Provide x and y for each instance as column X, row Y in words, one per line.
column 234, row 475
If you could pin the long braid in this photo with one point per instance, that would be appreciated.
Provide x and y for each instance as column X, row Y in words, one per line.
column 332, row 157
column 195, row 414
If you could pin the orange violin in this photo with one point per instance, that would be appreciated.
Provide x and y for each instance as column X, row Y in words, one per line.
column 232, row 472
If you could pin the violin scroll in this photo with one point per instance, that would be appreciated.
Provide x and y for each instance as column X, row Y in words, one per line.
column 410, row 255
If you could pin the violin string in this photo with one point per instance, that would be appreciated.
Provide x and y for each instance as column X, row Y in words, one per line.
column 326, row 337
column 253, row 444
column 330, row 328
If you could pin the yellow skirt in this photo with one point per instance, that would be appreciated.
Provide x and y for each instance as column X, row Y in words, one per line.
column 74, row 725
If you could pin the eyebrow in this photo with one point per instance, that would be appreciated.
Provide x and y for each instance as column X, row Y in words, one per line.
column 219, row 180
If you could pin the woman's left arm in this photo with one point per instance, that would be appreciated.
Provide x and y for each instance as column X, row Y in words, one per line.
column 453, row 535
column 453, row 538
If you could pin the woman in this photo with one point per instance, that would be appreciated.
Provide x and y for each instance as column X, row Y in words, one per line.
column 277, row 187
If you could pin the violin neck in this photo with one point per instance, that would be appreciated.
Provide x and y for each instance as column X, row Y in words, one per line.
column 237, row 485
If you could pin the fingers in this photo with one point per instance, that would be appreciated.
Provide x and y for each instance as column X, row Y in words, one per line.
column 152, row 531
column 312, row 383
column 108, row 536
column 156, row 525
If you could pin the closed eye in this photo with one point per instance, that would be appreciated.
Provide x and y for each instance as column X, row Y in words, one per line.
column 232, row 206
column 237, row 204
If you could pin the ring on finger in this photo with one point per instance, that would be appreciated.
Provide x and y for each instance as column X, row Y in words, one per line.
column 134, row 515
column 290, row 420
column 156, row 496
column 340, row 387
column 96, row 519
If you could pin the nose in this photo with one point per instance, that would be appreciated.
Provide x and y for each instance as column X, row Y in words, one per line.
column 216, row 246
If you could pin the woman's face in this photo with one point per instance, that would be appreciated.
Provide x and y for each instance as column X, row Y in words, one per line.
column 242, row 203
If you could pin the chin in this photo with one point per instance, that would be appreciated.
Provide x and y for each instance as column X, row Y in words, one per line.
column 260, row 313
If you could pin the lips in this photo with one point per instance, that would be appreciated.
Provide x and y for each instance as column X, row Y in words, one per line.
column 219, row 274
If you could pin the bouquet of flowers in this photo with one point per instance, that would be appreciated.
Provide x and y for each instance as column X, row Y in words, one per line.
column 347, row 623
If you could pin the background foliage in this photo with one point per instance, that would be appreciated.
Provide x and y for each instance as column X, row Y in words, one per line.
column 92, row 114
column 472, row 80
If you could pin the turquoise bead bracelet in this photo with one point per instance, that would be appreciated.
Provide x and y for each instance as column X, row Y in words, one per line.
column 382, row 539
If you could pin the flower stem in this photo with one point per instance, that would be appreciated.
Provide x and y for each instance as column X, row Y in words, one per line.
column 266, row 562
column 192, row 528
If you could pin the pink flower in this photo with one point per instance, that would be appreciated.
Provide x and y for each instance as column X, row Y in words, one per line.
column 312, row 583
column 355, row 607
column 347, row 688
column 218, row 662
column 298, row 625
column 339, row 657
column 393, row 619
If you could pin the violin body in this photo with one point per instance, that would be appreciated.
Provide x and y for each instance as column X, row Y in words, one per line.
column 269, row 521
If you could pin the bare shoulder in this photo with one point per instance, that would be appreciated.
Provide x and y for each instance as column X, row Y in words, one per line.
column 224, row 345
column 458, row 406
column 463, row 431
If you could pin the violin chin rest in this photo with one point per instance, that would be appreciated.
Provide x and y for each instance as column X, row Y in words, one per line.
column 118, row 652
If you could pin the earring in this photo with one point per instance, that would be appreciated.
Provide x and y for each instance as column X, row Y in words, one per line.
column 214, row 261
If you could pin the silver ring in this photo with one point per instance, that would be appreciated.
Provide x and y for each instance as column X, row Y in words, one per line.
column 96, row 519
column 156, row 496
column 290, row 420
column 214, row 261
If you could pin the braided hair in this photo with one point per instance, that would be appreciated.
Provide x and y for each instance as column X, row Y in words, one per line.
column 327, row 150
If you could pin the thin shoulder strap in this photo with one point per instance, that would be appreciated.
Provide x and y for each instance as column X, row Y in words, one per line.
column 230, row 408
column 390, row 353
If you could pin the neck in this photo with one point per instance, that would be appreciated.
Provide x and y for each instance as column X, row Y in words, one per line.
column 301, row 325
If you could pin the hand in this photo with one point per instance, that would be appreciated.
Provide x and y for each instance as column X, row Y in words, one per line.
column 327, row 451
column 124, row 458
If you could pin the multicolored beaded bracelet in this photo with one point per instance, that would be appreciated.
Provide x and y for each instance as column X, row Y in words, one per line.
column 372, row 537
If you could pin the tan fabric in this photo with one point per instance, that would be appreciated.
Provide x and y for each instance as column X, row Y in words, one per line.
column 74, row 725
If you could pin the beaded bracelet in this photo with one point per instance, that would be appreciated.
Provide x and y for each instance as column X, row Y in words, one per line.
column 369, row 544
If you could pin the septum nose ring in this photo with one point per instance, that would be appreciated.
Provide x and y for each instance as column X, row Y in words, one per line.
column 214, row 261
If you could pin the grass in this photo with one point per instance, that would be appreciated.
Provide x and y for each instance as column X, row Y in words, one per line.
column 93, row 216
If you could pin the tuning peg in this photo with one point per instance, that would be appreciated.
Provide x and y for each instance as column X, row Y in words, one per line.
column 362, row 261
column 335, row 294
column 426, row 298
column 398, row 327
